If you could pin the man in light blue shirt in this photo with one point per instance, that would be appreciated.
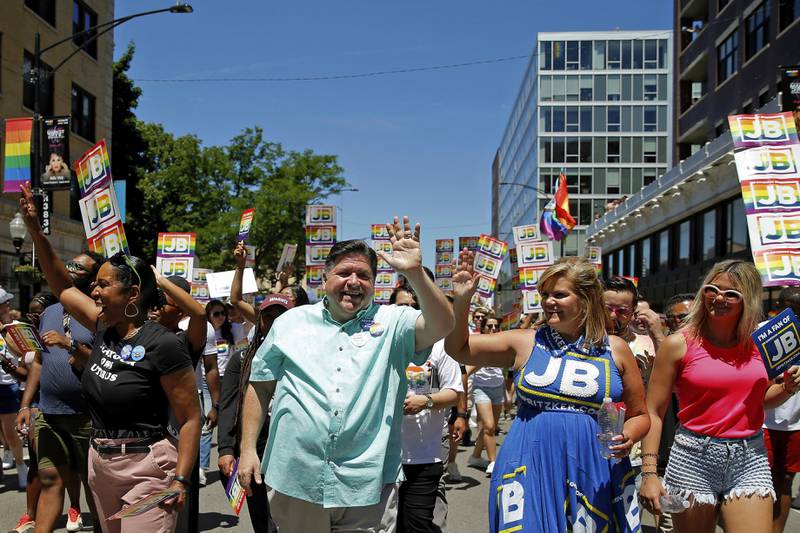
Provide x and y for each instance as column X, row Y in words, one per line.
column 333, row 459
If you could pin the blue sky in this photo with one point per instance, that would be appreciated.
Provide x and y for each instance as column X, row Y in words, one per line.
column 420, row 143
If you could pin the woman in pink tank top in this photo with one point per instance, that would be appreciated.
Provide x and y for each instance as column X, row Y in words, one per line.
column 718, row 461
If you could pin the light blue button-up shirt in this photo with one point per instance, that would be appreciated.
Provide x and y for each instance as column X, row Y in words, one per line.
column 334, row 438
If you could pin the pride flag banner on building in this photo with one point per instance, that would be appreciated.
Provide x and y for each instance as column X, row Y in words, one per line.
column 767, row 155
column 556, row 221
column 18, row 154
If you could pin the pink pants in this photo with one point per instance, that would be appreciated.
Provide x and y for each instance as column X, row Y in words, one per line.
column 118, row 480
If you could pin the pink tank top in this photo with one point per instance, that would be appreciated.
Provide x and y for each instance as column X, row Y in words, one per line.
column 721, row 390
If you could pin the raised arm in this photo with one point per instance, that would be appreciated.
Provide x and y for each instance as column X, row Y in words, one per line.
column 248, row 311
column 196, row 331
column 637, row 421
column 77, row 304
column 504, row 349
column 436, row 320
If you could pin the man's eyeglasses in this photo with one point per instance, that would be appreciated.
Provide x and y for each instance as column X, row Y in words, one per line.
column 619, row 310
column 492, row 327
column 731, row 296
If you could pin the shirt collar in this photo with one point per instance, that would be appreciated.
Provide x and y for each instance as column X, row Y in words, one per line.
column 326, row 314
column 559, row 345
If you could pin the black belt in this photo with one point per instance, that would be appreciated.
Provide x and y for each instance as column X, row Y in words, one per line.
column 139, row 446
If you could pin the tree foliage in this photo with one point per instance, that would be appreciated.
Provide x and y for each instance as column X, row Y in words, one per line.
column 178, row 184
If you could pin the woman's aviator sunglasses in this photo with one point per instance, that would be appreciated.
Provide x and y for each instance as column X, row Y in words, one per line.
column 731, row 296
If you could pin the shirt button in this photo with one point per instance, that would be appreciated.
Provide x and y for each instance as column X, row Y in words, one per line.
column 340, row 348
column 336, row 413
column 337, row 390
column 339, row 369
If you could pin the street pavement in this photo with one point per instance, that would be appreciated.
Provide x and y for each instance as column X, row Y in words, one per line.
column 467, row 501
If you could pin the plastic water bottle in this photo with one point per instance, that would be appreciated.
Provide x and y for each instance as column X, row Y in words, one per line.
column 607, row 419
column 673, row 503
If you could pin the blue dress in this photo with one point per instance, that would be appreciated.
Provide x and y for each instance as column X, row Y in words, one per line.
column 549, row 475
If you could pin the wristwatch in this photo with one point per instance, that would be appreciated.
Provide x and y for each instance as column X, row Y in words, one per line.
column 459, row 414
column 429, row 403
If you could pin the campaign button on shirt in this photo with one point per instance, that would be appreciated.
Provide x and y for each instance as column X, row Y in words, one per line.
column 359, row 339
column 137, row 354
column 376, row 330
column 125, row 353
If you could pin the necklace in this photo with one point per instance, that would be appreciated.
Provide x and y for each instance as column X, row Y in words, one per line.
column 132, row 333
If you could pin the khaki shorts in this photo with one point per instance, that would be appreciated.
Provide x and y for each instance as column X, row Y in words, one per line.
column 292, row 514
column 62, row 440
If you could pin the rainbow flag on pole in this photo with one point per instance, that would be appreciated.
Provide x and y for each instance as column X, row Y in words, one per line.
column 18, row 153
column 556, row 222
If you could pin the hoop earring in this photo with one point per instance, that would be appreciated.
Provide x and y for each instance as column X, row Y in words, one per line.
column 135, row 310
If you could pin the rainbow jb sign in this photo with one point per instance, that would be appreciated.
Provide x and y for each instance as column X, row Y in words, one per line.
column 767, row 155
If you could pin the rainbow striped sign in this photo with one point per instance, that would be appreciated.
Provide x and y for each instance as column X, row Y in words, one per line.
column 245, row 223
column 763, row 129
column 109, row 240
column 767, row 160
column 94, row 168
column 176, row 244
column 486, row 286
column 531, row 302
column 18, row 153
column 320, row 235
column 379, row 232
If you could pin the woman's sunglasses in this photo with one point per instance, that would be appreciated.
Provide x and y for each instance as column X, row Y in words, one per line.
column 217, row 314
column 731, row 296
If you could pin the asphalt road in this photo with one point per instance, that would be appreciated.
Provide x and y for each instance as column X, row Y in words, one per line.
column 467, row 503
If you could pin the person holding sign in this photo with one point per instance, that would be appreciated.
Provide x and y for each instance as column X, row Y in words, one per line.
column 718, row 461
column 550, row 474
column 137, row 371
column 333, row 460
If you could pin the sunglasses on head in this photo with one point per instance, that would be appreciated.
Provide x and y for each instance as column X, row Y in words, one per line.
column 730, row 295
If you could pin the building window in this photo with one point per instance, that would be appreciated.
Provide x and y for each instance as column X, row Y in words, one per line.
column 663, row 250
column 710, row 234
column 586, row 89
column 1, row 62
column 83, row 108
column 612, row 181
column 648, row 177
column 613, row 55
column 726, row 57
column 613, row 151
column 586, row 55
column 573, row 55
column 573, row 123
column 650, row 118
column 630, row 260
column 585, row 179
column 545, row 52
column 626, row 54
column 756, row 34
column 650, row 87
column 613, row 118
column 646, row 244
column 573, row 154
column 46, row 9
column 763, row 98
column 649, row 150
column 614, row 88
column 558, row 118
column 788, row 12
column 558, row 55
column 651, row 54
column 84, row 18
column 586, row 119
column 47, row 84
column 736, row 227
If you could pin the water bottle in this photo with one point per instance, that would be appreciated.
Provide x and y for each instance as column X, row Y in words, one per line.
column 673, row 503
column 607, row 419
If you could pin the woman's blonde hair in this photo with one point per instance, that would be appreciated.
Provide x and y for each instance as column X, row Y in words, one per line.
column 746, row 280
column 583, row 277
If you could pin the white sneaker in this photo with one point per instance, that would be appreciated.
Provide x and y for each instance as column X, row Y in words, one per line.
column 22, row 475
column 453, row 473
column 478, row 462
column 489, row 469
column 74, row 520
column 8, row 459
column 202, row 478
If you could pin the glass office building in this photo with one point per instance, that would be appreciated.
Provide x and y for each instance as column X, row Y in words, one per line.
column 599, row 106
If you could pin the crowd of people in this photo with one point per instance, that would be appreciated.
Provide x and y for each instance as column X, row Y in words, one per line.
column 346, row 415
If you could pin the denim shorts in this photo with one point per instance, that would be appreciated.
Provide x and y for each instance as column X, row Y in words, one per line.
column 492, row 395
column 710, row 469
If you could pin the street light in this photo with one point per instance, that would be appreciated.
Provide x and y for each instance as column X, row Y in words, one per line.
column 37, row 80
column 18, row 232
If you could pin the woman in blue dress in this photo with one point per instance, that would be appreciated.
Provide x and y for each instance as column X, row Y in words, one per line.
column 550, row 475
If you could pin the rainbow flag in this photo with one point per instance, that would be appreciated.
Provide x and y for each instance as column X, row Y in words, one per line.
column 556, row 222
column 18, row 153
